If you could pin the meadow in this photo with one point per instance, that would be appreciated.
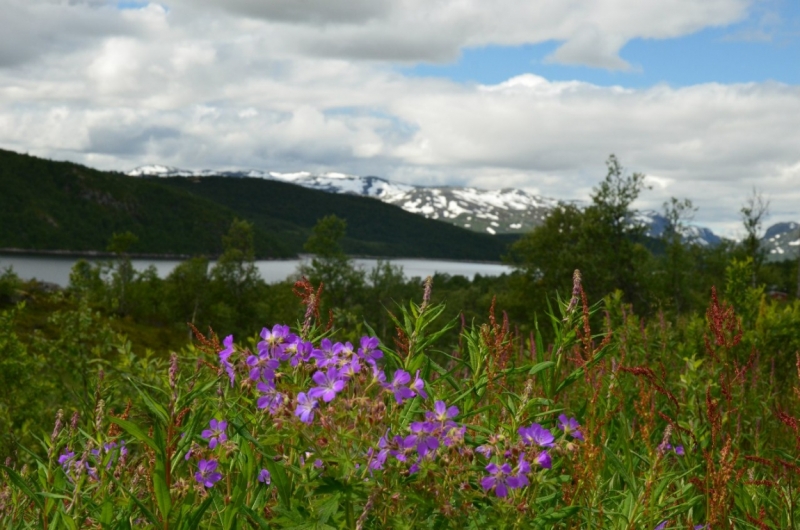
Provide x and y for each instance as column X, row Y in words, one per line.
column 652, row 388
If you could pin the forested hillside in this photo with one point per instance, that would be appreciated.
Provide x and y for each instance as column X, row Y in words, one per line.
column 373, row 228
column 47, row 205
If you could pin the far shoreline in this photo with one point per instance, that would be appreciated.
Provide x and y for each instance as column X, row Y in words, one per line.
column 99, row 254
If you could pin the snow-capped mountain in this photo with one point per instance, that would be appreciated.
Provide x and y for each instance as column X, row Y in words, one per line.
column 656, row 224
column 782, row 241
column 505, row 211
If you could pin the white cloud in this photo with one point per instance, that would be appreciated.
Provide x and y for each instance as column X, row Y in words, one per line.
column 270, row 86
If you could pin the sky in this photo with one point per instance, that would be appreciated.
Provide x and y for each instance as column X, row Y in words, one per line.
column 703, row 97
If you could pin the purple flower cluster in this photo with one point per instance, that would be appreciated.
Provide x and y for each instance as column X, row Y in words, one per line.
column 503, row 477
column 336, row 363
column 73, row 465
column 403, row 387
column 426, row 437
column 541, row 437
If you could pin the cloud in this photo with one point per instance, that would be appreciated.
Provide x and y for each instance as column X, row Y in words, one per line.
column 246, row 85
column 592, row 32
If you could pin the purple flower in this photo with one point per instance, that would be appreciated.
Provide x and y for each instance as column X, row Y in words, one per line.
column 224, row 357
column 403, row 447
column 262, row 366
column 368, row 352
column 520, row 480
column 544, row 460
column 349, row 370
column 679, row 450
column 275, row 339
column 661, row 526
column 66, row 460
column 330, row 384
column 485, row 450
column 442, row 413
column 216, row 434
column 325, row 354
column 377, row 459
column 263, row 476
column 298, row 352
column 271, row 398
column 305, row 408
column 379, row 375
column 206, row 473
column 536, row 434
column 398, row 386
column 418, row 386
column 497, row 479
column 570, row 426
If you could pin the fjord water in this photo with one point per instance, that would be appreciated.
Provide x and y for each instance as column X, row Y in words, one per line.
column 56, row 269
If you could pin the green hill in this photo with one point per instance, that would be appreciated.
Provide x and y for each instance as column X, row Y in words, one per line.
column 46, row 205
column 373, row 227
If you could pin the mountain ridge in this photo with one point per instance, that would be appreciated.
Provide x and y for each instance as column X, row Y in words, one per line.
column 503, row 211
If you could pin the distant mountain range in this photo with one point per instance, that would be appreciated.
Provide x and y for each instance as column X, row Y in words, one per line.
column 505, row 211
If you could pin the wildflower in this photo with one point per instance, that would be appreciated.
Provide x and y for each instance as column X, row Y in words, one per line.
column 206, row 473
column 544, row 460
column 375, row 458
column 329, row 383
column 485, row 450
column 262, row 366
column 536, row 434
column 379, row 375
column 368, row 351
column 570, row 426
column 350, row 369
column 305, row 407
column 274, row 340
column 325, row 354
column 271, row 398
column 66, row 460
column 679, row 450
column 225, row 355
column 216, row 434
column 299, row 351
column 442, row 413
column 264, row 477
column 403, row 447
column 398, row 388
column 418, row 386
column 520, row 480
column 497, row 479
column 662, row 525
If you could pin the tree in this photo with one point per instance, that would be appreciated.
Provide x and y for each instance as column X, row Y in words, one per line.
column 602, row 240
column 677, row 260
column 122, row 272
column 330, row 265
column 235, row 281
column 754, row 211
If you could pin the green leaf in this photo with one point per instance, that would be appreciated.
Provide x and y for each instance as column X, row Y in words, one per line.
column 22, row 485
column 160, row 486
column 134, row 430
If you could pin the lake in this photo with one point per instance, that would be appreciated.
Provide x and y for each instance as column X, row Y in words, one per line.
column 56, row 269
